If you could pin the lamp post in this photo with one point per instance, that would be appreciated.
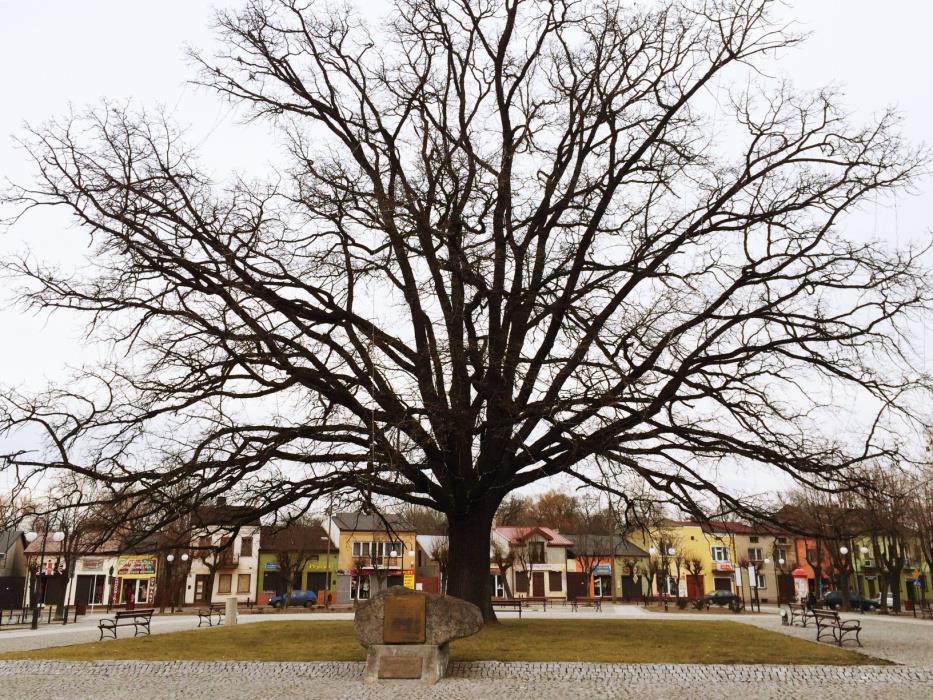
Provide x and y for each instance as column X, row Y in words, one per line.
column 169, row 560
column 860, row 575
column 652, row 571
column 38, row 571
column 672, row 552
column 327, row 574
column 844, row 577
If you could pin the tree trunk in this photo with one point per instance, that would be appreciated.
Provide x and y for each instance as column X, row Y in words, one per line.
column 468, row 569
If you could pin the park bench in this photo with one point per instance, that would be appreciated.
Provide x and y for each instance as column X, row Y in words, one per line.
column 514, row 604
column 139, row 619
column 538, row 600
column 828, row 622
column 799, row 612
column 587, row 602
column 210, row 612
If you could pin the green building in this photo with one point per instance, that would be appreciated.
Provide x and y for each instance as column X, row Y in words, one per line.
column 306, row 550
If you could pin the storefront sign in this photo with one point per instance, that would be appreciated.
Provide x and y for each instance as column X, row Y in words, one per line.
column 409, row 580
column 602, row 570
column 92, row 564
column 136, row 567
column 272, row 566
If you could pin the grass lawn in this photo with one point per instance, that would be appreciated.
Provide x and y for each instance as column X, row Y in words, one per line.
column 620, row 641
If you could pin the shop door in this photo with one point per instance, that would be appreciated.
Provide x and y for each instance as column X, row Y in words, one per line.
column 576, row 585
column 695, row 586
column 537, row 584
column 722, row 583
column 83, row 588
column 316, row 581
column 785, row 588
column 201, row 594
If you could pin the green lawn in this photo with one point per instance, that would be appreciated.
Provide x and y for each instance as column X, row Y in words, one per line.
column 620, row 641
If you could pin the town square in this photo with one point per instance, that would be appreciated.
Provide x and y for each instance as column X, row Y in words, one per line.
column 466, row 349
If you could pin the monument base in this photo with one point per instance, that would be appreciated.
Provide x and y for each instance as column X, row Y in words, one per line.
column 424, row 662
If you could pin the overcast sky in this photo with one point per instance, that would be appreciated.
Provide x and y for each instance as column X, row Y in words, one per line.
column 56, row 53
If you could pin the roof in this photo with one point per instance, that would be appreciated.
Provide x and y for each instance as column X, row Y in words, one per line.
column 429, row 543
column 599, row 544
column 223, row 514
column 294, row 538
column 516, row 535
column 371, row 522
column 88, row 544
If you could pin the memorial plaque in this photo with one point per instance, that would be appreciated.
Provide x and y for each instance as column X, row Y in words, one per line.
column 404, row 620
column 400, row 667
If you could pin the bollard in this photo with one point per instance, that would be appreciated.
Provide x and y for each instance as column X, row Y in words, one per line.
column 231, row 611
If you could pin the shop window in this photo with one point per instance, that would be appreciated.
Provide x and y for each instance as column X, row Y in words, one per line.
column 224, row 583
column 602, row 586
column 242, row 583
column 496, row 586
column 521, row 582
column 554, row 581
column 246, row 547
column 753, row 539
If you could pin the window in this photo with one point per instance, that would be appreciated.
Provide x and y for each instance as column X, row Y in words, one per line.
column 782, row 540
column 224, row 582
column 2, row 557
column 521, row 582
column 554, row 581
column 496, row 586
column 761, row 580
column 246, row 547
column 602, row 587
column 536, row 552
column 753, row 539
column 361, row 549
column 811, row 555
column 270, row 581
column 754, row 554
column 780, row 553
column 242, row 583
column 720, row 554
column 204, row 542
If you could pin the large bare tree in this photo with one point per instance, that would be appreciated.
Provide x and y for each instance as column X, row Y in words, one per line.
column 507, row 243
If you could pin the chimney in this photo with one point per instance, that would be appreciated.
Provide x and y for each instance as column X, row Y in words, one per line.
column 221, row 500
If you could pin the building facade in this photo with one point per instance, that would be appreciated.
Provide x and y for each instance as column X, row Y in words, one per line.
column 375, row 552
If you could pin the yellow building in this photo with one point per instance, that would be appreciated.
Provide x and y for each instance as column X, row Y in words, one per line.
column 375, row 552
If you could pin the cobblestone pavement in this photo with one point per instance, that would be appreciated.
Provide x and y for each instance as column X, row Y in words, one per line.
column 144, row 680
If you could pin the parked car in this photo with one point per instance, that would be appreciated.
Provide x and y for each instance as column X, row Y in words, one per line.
column 720, row 598
column 833, row 601
column 890, row 597
column 303, row 598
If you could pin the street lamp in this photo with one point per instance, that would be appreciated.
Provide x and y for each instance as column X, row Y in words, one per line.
column 863, row 549
column 327, row 573
column 843, row 550
column 169, row 559
column 34, row 597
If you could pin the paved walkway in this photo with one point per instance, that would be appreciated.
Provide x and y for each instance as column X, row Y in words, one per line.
column 903, row 640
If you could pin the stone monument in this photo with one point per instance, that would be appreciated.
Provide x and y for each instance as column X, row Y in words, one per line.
column 408, row 632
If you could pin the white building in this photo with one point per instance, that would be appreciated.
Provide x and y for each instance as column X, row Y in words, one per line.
column 224, row 555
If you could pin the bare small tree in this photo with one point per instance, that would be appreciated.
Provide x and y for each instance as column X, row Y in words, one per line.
column 440, row 552
column 504, row 560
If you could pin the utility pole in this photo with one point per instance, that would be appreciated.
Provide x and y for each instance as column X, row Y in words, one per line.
column 612, row 552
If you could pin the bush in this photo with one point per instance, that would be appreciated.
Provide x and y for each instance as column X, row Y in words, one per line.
column 681, row 603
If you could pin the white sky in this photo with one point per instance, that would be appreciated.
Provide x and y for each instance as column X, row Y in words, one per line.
column 56, row 53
